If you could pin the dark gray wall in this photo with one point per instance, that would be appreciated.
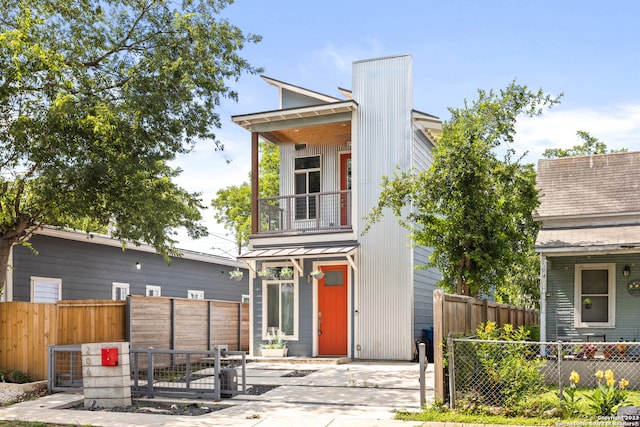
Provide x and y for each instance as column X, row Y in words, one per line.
column 88, row 270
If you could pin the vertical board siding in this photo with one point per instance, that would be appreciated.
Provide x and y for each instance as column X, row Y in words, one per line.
column 384, row 92
column 90, row 321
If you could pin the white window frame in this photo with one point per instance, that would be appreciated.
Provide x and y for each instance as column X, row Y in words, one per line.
column 118, row 285
column 306, row 173
column 245, row 298
column 611, row 294
column 35, row 279
column 153, row 291
column 195, row 294
column 296, row 297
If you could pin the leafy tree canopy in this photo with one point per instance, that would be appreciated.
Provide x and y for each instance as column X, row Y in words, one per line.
column 96, row 98
column 591, row 146
column 473, row 208
column 233, row 204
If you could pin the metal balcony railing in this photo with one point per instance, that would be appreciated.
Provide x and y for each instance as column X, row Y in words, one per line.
column 305, row 213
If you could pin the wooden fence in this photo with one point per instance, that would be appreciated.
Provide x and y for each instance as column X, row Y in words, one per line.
column 460, row 315
column 27, row 329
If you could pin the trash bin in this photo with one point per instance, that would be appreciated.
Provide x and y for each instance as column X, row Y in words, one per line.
column 427, row 338
column 228, row 382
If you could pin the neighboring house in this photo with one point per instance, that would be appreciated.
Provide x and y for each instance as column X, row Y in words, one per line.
column 71, row 265
column 590, row 247
column 371, row 302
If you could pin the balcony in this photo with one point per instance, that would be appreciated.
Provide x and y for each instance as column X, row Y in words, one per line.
column 305, row 213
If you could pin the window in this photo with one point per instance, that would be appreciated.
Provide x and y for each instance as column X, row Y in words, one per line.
column 596, row 282
column 195, row 294
column 46, row 290
column 153, row 291
column 306, row 181
column 245, row 298
column 120, row 291
column 280, row 306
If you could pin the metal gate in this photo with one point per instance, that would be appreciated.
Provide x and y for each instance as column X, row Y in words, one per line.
column 65, row 368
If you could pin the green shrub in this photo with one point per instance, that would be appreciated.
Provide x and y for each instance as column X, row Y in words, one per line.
column 14, row 376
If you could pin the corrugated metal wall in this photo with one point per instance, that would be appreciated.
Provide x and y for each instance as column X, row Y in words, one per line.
column 384, row 295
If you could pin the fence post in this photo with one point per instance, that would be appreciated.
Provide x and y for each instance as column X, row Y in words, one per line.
column 422, row 357
column 452, row 373
column 438, row 339
column 559, row 356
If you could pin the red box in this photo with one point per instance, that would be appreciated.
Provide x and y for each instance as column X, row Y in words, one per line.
column 110, row 356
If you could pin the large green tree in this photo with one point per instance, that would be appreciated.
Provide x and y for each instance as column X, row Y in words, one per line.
column 233, row 204
column 590, row 146
column 96, row 98
column 471, row 206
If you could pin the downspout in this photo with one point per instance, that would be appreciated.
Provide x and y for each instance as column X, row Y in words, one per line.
column 543, row 298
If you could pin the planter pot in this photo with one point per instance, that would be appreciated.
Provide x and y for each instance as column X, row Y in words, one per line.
column 274, row 352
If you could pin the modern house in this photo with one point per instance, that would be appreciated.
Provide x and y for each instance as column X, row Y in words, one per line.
column 68, row 265
column 590, row 247
column 365, row 298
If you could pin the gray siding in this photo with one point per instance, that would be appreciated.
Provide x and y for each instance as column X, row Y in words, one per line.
column 560, row 298
column 292, row 100
column 88, row 270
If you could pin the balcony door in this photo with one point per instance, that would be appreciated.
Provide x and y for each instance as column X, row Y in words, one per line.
column 345, row 184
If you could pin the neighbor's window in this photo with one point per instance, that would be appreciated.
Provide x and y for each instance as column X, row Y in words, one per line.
column 280, row 306
column 597, row 283
column 120, row 291
column 153, row 291
column 306, row 181
column 191, row 294
column 46, row 289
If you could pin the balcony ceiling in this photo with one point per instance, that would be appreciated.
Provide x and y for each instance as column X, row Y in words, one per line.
column 326, row 134
column 324, row 124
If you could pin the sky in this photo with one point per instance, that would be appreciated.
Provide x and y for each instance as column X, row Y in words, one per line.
column 589, row 51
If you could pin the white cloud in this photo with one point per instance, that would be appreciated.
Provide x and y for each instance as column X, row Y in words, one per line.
column 617, row 127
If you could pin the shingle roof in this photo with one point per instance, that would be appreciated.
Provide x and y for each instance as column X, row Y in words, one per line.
column 603, row 238
column 606, row 184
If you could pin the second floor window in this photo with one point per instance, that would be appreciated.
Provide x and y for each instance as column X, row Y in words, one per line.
column 307, row 181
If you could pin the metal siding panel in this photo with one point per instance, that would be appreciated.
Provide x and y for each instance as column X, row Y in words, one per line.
column 383, row 90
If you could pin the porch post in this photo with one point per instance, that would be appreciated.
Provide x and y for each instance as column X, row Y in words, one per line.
column 254, row 183
column 543, row 298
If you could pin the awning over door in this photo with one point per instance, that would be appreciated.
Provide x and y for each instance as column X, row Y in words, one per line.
column 606, row 238
column 296, row 254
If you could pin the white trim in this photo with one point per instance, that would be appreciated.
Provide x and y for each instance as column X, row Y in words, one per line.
column 153, row 289
column 611, row 295
column 316, row 265
column 195, row 294
column 296, row 301
column 50, row 280
column 7, row 292
column 118, row 285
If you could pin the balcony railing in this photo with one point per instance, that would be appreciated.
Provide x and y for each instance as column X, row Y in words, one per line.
column 305, row 213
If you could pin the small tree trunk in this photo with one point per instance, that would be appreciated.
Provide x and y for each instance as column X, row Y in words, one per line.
column 5, row 251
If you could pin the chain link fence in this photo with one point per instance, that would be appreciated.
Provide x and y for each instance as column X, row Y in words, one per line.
column 500, row 373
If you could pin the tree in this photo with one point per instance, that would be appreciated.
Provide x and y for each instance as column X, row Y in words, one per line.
column 472, row 208
column 95, row 100
column 233, row 204
column 591, row 146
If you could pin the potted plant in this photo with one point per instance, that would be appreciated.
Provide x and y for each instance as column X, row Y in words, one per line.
column 608, row 351
column 589, row 350
column 236, row 275
column 621, row 349
column 286, row 273
column 587, row 303
column 275, row 346
column 265, row 274
column 317, row 274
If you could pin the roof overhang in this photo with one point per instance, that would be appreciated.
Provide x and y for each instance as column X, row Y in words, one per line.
column 594, row 240
column 430, row 126
column 318, row 124
column 297, row 254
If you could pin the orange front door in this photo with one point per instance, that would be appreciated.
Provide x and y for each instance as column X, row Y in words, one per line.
column 332, row 311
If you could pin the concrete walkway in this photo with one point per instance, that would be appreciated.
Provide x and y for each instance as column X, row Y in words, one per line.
column 354, row 394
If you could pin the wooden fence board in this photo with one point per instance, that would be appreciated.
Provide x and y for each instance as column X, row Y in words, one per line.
column 461, row 315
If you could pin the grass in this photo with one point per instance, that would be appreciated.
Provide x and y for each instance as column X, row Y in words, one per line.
column 535, row 407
